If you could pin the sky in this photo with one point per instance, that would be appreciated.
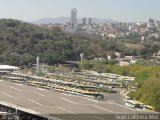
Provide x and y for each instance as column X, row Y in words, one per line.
column 120, row 10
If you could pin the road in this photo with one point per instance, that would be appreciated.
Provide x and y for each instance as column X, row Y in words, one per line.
column 51, row 103
column 114, row 97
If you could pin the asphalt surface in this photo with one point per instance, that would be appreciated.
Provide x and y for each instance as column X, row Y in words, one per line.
column 51, row 103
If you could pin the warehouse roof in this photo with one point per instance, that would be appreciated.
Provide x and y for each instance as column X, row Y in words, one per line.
column 8, row 67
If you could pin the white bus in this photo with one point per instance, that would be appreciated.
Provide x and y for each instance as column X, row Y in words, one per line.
column 133, row 104
column 148, row 108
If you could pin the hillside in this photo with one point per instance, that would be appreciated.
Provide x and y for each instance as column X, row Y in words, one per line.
column 21, row 43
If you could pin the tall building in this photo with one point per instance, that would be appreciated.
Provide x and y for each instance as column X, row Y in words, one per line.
column 89, row 21
column 84, row 21
column 74, row 17
column 151, row 23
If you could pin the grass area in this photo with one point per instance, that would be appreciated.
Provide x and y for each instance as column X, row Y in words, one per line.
column 134, row 46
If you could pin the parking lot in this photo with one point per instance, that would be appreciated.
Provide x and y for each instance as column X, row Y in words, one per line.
column 50, row 103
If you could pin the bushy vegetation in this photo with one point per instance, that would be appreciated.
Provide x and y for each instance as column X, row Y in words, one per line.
column 147, row 79
column 149, row 93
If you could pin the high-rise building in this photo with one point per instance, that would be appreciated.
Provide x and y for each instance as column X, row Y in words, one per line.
column 151, row 23
column 74, row 17
column 89, row 21
column 84, row 21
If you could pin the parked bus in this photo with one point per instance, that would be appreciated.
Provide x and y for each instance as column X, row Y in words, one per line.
column 148, row 108
column 133, row 104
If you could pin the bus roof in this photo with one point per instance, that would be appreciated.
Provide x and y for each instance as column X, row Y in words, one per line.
column 134, row 101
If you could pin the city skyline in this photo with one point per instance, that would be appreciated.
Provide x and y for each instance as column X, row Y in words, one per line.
column 120, row 10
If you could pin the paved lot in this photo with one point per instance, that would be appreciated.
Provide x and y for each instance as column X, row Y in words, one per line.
column 50, row 102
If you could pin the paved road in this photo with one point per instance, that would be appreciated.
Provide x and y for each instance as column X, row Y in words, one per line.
column 114, row 97
column 50, row 102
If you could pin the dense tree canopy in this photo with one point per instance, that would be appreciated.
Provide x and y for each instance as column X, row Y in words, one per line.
column 21, row 42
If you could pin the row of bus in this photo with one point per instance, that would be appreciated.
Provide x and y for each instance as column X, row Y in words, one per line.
column 91, row 85
column 57, row 85
column 87, row 80
column 109, row 76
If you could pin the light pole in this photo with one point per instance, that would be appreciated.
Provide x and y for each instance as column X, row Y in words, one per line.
column 81, row 55
column 37, row 64
column 16, row 112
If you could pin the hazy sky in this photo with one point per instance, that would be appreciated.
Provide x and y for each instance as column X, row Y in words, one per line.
column 121, row 10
